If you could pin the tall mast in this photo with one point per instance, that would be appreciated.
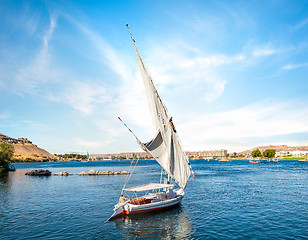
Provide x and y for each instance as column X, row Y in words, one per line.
column 165, row 146
column 140, row 59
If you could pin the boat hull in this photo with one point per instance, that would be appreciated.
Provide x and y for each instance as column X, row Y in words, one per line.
column 128, row 209
column 254, row 161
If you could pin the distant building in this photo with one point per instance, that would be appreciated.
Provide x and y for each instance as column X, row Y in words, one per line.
column 23, row 140
column 292, row 153
column 213, row 153
column 4, row 138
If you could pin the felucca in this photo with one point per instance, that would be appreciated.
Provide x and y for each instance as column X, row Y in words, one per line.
column 166, row 150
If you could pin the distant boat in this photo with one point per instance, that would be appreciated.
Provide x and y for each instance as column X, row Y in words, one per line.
column 224, row 160
column 166, row 150
column 276, row 160
column 254, row 161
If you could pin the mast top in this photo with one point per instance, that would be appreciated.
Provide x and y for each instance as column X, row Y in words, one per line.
column 131, row 35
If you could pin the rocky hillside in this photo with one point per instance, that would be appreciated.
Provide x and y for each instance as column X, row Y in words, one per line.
column 278, row 148
column 25, row 149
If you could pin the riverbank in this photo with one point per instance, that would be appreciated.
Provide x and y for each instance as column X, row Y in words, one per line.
column 124, row 160
column 264, row 159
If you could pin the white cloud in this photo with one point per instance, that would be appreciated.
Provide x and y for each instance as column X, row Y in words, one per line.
column 263, row 52
column 215, row 90
column 174, row 65
column 114, row 60
column 126, row 100
column 293, row 66
column 29, row 78
column 301, row 24
column 259, row 120
column 84, row 95
column 48, row 34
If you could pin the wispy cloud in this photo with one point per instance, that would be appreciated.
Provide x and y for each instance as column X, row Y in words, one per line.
column 217, row 89
column 191, row 69
column 83, row 95
column 113, row 59
column 28, row 79
column 121, row 99
column 262, row 119
column 293, row 66
column 48, row 34
column 263, row 52
column 4, row 115
column 301, row 24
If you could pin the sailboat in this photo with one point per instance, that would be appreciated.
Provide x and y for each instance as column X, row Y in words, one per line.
column 166, row 149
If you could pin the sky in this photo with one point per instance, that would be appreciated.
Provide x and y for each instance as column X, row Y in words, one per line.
column 233, row 74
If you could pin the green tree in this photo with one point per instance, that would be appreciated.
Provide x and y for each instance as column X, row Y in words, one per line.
column 256, row 153
column 6, row 154
column 269, row 153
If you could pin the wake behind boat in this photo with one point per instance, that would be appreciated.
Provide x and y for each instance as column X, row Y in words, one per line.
column 166, row 150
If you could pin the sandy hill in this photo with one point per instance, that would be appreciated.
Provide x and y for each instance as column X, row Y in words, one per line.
column 25, row 149
column 278, row 148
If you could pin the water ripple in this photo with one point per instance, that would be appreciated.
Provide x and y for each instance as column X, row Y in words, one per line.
column 234, row 200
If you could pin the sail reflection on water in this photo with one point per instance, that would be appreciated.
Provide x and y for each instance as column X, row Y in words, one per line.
column 171, row 224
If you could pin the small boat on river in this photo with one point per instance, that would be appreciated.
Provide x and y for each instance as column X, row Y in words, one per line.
column 276, row 160
column 254, row 161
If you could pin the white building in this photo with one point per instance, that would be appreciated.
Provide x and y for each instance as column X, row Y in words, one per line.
column 213, row 153
column 292, row 153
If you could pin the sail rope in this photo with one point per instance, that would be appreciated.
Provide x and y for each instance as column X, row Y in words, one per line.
column 161, row 175
column 131, row 170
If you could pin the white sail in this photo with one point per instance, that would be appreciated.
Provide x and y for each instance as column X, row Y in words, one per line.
column 165, row 146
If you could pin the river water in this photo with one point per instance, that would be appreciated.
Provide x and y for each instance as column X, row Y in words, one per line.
column 226, row 200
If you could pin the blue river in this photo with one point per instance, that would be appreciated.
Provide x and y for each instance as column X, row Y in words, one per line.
column 226, row 200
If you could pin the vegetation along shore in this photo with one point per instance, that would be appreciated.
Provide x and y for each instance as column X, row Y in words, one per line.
column 23, row 150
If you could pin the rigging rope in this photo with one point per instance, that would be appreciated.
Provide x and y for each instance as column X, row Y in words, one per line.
column 130, row 174
column 161, row 174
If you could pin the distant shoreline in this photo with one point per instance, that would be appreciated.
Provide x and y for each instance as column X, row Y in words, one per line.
column 76, row 160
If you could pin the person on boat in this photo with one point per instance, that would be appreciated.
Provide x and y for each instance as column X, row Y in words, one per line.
column 171, row 193
column 123, row 199
column 171, row 123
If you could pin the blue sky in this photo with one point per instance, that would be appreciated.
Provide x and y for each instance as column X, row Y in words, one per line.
column 233, row 74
